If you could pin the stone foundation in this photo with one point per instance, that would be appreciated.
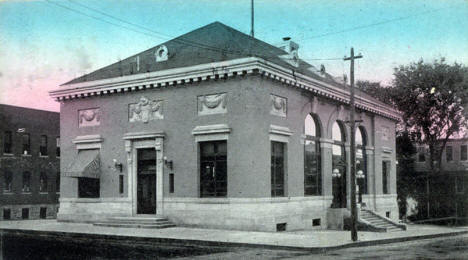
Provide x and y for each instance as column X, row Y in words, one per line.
column 92, row 210
column 250, row 214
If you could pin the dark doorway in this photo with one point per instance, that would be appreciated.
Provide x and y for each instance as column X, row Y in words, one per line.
column 146, row 181
column 339, row 182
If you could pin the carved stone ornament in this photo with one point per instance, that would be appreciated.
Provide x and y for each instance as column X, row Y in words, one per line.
column 145, row 110
column 161, row 54
column 279, row 106
column 385, row 133
column 212, row 104
column 89, row 117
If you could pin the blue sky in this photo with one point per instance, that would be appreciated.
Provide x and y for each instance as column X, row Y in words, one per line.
column 43, row 45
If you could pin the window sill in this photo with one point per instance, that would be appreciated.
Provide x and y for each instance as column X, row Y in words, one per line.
column 43, row 192
column 43, row 156
column 8, row 154
column 8, row 193
column 26, row 155
column 26, row 192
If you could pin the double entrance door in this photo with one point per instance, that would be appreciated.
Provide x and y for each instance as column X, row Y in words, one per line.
column 146, row 181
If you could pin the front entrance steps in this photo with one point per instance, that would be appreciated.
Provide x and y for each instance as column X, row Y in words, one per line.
column 371, row 221
column 153, row 222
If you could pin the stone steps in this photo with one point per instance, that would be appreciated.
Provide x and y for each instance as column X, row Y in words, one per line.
column 380, row 222
column 136, row 222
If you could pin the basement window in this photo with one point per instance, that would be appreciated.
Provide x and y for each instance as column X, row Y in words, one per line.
column 281, row 227
column 316, row 222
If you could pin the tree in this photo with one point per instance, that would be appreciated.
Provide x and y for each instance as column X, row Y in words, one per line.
column 376, row 90
column 431, row 97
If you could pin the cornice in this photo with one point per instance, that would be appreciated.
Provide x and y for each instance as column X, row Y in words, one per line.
column 214, row 71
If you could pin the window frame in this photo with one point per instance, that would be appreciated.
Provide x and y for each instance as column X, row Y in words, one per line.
column 26, row 188
column 312, row 174
column 26, row 147
column 385, row 176
column 278, row 189
column 464, row 152
column 43, row 177
column 43, row 151
column 93, row 188
column 219, row 159
column 8, row 135
column 447, row 157
column 57, row 146
column 5, row 175
column 421, row 154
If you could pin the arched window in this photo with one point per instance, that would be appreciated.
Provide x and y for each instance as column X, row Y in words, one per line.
column 339, row 165
column 361, row 162
column 312, row 169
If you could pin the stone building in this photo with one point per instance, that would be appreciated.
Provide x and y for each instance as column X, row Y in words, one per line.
column 29, row 163
column 217, row 129
column 445, row 194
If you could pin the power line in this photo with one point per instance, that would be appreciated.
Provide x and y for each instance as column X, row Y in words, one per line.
column 156, row 34
column 96, row 18
column 374, row 24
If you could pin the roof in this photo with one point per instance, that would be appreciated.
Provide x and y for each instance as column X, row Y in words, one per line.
column 214, row 42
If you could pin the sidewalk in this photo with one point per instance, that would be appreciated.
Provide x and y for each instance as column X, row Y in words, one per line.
column 302, row 240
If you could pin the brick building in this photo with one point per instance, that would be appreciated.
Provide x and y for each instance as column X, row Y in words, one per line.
column 445, row 194
column 29, row 163
column 218, row 129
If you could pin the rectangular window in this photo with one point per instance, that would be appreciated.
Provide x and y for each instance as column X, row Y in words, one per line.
column 385, row 175
column 88, row 188
column 7, row 142
column 448, row 153
column 121, row 184
column 43, row 146
column 213, row 169
column 463, row 153
column 312, row 172
column 26, row 182
column 459, row 185
column 26, row 144
column 43, row 213
column 7, row 182
column 277, row 169
column 6, row 214
column 57, row 145
column 57, row 182
column 25, row 213
column 43, row 182
column 171, row 183
column 421, row 154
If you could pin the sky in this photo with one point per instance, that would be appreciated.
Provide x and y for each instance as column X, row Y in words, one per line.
column 45, row 43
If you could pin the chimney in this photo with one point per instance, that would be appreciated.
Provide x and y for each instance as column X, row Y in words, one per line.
column 292, row 49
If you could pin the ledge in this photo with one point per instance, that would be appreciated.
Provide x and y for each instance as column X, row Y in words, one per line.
column 280, row 130
column 387, row 149
column 211, row 129
column 88, row 142
column 143, row 135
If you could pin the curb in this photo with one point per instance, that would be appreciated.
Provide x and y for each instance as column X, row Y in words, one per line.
column 151, row 242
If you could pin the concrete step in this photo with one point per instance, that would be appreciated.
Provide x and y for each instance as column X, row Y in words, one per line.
column 134, row 225
column 136, row 222
column 380, row 222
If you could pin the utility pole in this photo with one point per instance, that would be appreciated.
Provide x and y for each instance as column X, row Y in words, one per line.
column 354, row 236
column 252, row 18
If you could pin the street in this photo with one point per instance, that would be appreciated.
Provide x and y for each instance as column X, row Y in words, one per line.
column 455, row 247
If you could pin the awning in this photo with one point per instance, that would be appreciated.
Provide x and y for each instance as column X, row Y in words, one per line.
column 87, row 164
